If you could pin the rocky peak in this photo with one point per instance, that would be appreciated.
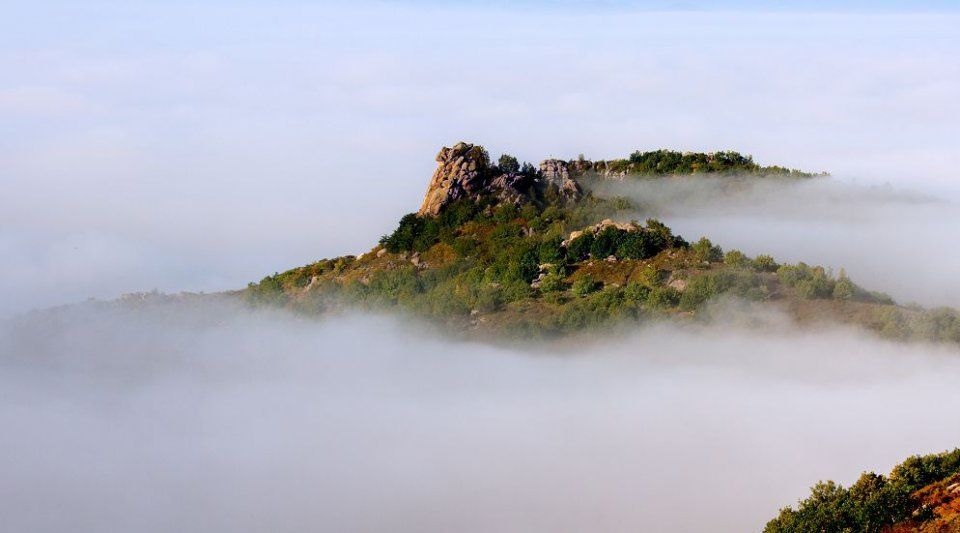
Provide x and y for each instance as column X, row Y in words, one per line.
column 464, row 171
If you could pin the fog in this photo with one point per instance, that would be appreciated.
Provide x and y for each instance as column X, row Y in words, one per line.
column 219, row 419
column 891, row 238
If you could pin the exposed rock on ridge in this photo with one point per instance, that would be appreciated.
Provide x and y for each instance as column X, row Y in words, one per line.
column 464, row 171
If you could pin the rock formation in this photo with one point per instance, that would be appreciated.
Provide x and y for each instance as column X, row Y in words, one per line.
column 464, row 171
column 555, row 172
column 600, row 226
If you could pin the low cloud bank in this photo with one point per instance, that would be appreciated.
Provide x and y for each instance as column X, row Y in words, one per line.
column 892, row 239
column 220, row 419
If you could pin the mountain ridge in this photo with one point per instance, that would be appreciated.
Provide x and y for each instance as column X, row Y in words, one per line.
column 514, row 249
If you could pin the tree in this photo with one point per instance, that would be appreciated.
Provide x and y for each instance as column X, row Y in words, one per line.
column 508, row 164
column 735, row 258
column 765, row 263
column 705, row 251
column 579, row 249
column 606, row 242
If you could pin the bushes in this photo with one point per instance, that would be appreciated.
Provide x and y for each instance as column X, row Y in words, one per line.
column 818, row 285
column 764, row 263
column 663, row 298
column 596, row 309
column 550, row 250
column 584, row 285
column 579, row 248
column 707, row 286
column 638, row 243
column 552, row 282
column 268, row 291
column 736, row 258
column 699, row 290
column 809, row 282
column 636, row 292
column 844, row 289
column 606, row 242
column 705, row 251
column 816, row 282
column 873, row 504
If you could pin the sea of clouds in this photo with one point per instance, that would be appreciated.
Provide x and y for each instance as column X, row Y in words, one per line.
column 213, row 417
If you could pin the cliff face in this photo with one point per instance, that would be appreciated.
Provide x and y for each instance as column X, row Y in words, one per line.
column 464, row 172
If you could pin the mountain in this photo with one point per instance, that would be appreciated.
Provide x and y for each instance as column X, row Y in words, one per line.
column 920, row 495
column 530, row 251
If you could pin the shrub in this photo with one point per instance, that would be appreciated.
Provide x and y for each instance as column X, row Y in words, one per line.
column 649, row 276
column 402, row 238
column 705, row 251
column 268, row 291
column 790, row 275
column 550, row 250
column 765, row 263
column 810, row 282
column 816, row 287
column 579, row 248
column 552, row 282
column 844, row 289
column 636, row 292
column 640, row 245
column 465, row 246
column 584, row 285
column 698, row 291
column 595, row 309
column 663, row 297
column 505, row 212
column 606, row 242
column 735, row 258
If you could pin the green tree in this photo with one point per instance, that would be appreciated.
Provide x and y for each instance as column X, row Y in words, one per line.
column 705, row 251
column 579, row 249
column 508, row 164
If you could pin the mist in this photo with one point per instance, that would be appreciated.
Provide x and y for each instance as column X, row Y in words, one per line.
column 891, row 238
column 210, row 417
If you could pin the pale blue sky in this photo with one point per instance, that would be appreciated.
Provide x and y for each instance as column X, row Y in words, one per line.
column 199, row 145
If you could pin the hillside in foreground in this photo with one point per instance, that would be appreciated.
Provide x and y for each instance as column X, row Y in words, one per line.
column 920, row 495
column 526, row 251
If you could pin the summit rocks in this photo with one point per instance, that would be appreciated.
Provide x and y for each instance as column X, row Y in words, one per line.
column 464, row 172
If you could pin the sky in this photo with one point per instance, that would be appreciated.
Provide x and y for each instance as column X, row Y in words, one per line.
column 202, row 145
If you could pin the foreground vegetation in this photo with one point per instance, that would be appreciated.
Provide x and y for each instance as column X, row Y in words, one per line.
column 921, row 494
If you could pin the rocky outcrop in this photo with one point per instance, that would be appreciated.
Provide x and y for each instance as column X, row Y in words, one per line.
column 600, row 226
column 555, row 173
column 464, row 171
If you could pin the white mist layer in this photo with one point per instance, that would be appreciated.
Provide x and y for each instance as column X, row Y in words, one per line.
column 889, row 239
column 225, row 421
